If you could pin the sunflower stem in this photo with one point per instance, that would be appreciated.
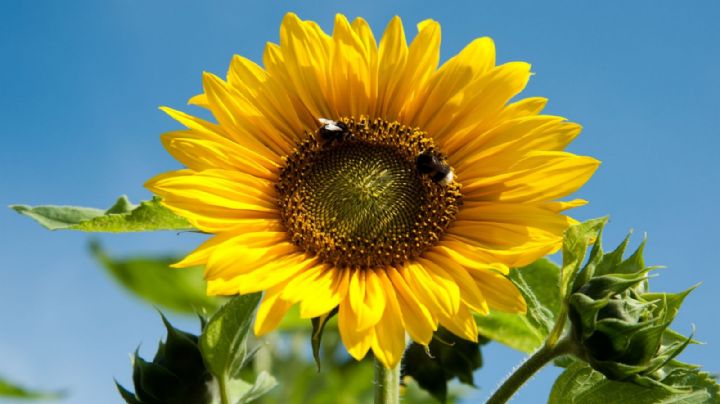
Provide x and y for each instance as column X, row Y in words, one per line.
column 534, row 363
column 222, row 386
column 387, row 384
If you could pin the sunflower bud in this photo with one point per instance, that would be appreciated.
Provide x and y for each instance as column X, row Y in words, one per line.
column 620, row 328
column 177, row 373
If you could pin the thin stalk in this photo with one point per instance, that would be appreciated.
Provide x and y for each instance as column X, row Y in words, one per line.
column 557, row 330
column 387, row 384
column 222, row 386
column 534, row 363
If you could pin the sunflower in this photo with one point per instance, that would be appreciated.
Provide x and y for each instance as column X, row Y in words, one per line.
column 359, row 176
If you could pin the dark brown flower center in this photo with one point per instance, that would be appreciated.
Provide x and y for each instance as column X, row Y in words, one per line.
column 354, row 196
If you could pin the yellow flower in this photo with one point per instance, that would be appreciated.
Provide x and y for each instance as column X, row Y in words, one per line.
column 360, row 176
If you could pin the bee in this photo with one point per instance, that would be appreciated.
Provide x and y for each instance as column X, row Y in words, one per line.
column 333, row 130
column 430, row 163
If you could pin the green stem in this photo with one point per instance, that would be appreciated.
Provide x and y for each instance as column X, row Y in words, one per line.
column 529, row 368
column 387, row 384
column 559, row 327
column 223, row 391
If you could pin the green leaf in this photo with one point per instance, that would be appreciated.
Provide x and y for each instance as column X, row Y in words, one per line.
column 446, row 357
column 223, row 345
column 121, row 217
column 580, row 384
column 249, row 392
column 223, row 340
column 538, row 283
column 8, row 389
column 152, row 279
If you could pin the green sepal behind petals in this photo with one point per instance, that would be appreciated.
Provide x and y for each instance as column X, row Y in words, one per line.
column 318, row 326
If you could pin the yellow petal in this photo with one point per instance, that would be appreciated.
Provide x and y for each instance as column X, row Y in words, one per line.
column 356, row 342
column 422, row 60
column 470, row 257
column 522, row 108
column 196, row 124
column 461, row 324
column 514, row 234
column 267, row 97
column 442, row 96
column 539, row 177
column 274, row 62
column 443, row 283
column 559, row 206
column 437, row 299
column 363, row 31
column 263, row 277
column 416, row 318
column 246, row 252
column 214, row 200
column 241, row 120
column 515, row 256
column 469, row 292
column 199, row 100
column 392, row 55
column 319, row 290
column 502, row 147
column 388, row 342
column 202, row 151
column 481, row 103
column 202, row 253
column 271, row 311
column 349, row 77
column 500, row 292
column 305, row 50
column 367, row 298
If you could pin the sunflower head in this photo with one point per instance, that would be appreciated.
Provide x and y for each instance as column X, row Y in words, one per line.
column 361, row 176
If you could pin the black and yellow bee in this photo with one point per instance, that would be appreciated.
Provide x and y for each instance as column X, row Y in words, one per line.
column 333, row 130
column 435, row 166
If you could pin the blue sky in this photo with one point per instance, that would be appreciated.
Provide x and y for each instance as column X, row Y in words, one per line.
column 80, row 83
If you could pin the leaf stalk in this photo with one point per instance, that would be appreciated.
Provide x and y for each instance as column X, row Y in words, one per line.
column 535, row 362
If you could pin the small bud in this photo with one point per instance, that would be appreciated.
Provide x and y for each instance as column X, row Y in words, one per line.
column 620, row 328
column 177, row 373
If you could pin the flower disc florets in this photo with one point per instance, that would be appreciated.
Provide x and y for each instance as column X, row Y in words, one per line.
column 358, row 200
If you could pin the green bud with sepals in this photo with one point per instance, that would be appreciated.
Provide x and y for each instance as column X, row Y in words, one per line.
column 177, row 373
column 619, row 327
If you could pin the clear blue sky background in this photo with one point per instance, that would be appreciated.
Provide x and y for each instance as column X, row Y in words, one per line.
column 80, row 83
